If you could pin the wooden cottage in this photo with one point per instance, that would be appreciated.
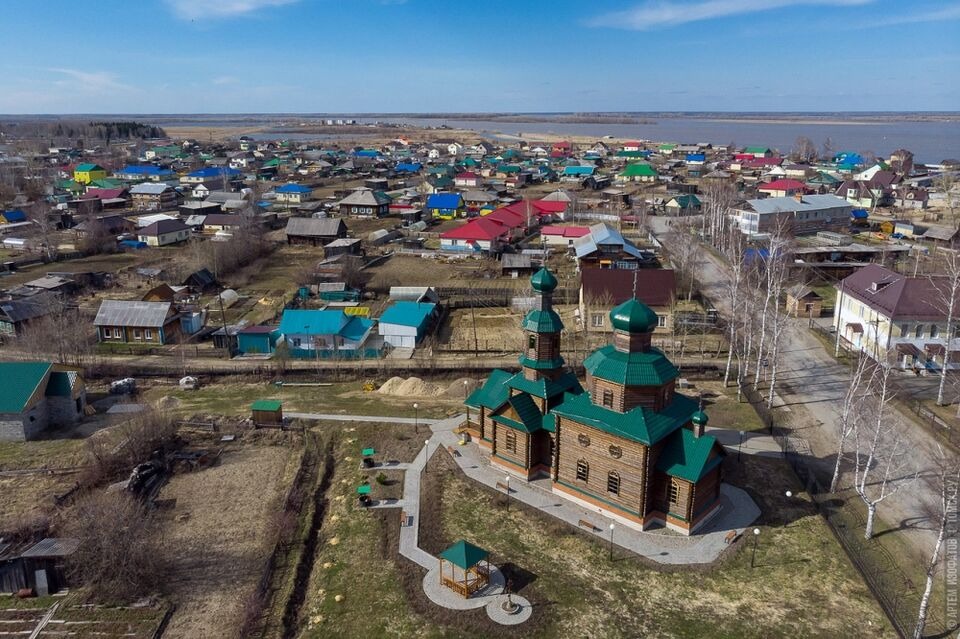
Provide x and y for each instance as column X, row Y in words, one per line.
column 803, row 301
column 624, row 442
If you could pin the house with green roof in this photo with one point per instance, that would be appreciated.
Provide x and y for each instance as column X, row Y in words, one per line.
column 638, row 172
column 86, row 173
column 623, row 442
column 37, row 395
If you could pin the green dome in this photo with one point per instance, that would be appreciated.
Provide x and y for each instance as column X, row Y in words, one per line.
column 543, row 281
column 700, row 418
column 633, row 316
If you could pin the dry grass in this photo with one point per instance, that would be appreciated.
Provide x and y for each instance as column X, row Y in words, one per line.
column 219, row 536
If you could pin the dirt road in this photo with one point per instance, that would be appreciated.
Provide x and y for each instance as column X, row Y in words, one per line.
column 810, row 386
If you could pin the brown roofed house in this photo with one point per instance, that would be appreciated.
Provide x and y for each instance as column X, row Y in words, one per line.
column 603, row 289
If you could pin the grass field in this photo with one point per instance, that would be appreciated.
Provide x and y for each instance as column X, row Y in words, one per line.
column 232, row 399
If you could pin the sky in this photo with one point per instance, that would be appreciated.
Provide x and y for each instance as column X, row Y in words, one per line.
column 393, row 56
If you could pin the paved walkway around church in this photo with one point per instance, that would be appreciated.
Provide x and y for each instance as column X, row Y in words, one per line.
column 737, row 512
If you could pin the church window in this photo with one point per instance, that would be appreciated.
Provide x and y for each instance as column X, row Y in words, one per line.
column 674, row 492
column 511, row 441
column 608, row 398
column 532, row 341
column 583, row 440
column 583, row 470
column 613, row 483
column 616, row 452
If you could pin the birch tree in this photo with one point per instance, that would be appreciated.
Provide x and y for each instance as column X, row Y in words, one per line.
column 851, row 408
column 734, row 291
column 947, row 289
column 948, row 482
column 879, row 456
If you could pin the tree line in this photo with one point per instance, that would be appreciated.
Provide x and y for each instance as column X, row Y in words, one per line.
column 70, row 131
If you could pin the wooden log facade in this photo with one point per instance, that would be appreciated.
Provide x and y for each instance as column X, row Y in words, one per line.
column 608, row 446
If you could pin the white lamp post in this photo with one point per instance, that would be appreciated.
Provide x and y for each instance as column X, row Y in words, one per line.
column 756, row 540
column 611, row 540
column 506, row 481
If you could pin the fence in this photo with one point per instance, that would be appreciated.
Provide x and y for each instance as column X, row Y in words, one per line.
column 897, row 595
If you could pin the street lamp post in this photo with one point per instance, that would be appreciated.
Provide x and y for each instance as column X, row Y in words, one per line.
column 756, row 540
column 416, row 418
column 739, row 446
column 426, row 448
column 506, row 482
column 466, row 384
column 611, row 540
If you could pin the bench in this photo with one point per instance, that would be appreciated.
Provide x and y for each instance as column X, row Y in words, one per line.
column 731, row 537
column 583, row 523
column 404, row 519
column 453, row 451
column 502, row 486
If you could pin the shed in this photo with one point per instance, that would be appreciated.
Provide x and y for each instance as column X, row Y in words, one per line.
column 257, row 340
column 267, row 412
column 404, row 323
column 803, row 301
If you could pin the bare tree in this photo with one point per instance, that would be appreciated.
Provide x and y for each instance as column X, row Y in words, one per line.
column 851, row 408
column 879, row 456
column 947, row 287
column 948, row 482
column 118, row 556
column 734, row 290
column 40, row 215
column 804, row 150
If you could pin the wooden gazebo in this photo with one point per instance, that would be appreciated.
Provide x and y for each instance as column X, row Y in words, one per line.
column 469, row 569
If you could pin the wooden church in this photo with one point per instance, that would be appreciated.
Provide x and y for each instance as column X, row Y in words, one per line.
column 623, row 442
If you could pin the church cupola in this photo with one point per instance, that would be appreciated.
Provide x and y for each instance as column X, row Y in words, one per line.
column 633, row 324
column 542, row 327
column 699, row 421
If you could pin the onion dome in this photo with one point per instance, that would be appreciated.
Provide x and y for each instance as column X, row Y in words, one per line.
column 543, row 281
column 633, row 316
column 699, row 418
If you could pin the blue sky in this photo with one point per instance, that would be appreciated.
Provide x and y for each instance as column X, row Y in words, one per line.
column 352, row 56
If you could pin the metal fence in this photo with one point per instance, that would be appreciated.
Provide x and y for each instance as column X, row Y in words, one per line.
column 893, row 589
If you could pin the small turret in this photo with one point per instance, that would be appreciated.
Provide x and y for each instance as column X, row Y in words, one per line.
column 699, row 420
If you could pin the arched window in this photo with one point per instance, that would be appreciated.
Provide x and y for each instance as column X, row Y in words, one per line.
column 613, row 482
column 511, row 441
column 934, row 331
column 583, row 470
column 674, row 492
column 532, row 341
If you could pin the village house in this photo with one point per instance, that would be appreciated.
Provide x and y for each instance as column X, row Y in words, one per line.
column 803, row 301
column 897, row 318
column 562, row 236
column 468, row 179
column 17, row 314
column 364, row 202
column 803, row 214
column 314, row 231
column 207, row 173
column 153, row 196
column 325, row 333
column 605, row 247
column 35, row 396
column 638, row 172
column 87, row 173
column 603, row 289
column 164, row 233
column 783, row 188
column 624, row 443
column 404, row 324
column 445, row 206
column 291, row 193
column 136, row 322
column 144, row 173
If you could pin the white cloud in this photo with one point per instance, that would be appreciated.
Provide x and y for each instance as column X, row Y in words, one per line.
column 90, row 80
column 211, row 9
column 666, row 13
column 937, row 15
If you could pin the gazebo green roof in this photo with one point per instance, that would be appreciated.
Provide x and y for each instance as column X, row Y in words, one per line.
column 464, row 555
column 543, row 281
column 363, row 489
column 633, row 316
column 367, row 452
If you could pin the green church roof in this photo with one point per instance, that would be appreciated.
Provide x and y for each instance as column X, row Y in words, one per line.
column 649, row 368
column 493, row 393
column 531, row 420
column 687, row 456
column 542, row 322
column 546, row 388
column 634, row 316
column 543, row 281
column 640, row 424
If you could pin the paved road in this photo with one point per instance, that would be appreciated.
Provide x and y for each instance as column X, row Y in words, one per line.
column 811, row 385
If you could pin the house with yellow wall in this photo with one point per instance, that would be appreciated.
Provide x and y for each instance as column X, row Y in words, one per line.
column 87, row 173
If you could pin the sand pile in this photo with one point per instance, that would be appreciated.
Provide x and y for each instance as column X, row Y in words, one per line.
column 456, row 391
column 391, row 385
column 412, row 387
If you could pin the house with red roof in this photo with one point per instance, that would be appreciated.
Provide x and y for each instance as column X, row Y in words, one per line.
column 561, row 149
column 480, row 234
column 633, row 145
column 468, row 179
column 554, row 235
column 783, row 188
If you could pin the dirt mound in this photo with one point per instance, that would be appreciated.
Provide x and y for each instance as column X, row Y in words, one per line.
column 416, row 387
column 168, row 402
column 456, row 389
column 391, row 385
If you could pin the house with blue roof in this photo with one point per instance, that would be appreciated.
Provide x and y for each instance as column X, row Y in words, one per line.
column 578, row 171
column 408, row 167
column 292, row 193
column 143, row 172
column 326, row 334
column 404, row 324
column 209, row 173
column 446, row 206
column 12, row 217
